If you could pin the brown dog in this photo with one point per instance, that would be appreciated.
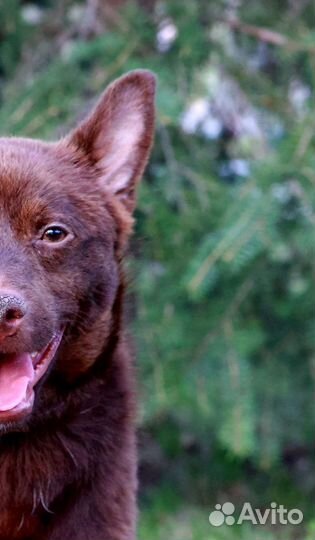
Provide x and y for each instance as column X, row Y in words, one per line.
column 67, row 430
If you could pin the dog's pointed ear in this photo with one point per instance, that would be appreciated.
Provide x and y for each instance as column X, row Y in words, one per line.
column 117, row 136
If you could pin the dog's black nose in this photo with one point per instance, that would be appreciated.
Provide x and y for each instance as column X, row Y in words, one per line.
column 12, row 311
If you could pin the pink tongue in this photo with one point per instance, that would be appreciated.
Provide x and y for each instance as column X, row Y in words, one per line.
column 16, row 371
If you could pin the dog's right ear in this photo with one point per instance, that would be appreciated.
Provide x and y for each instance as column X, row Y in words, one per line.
column 117, row 136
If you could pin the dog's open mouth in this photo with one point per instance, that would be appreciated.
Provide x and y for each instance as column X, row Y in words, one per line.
column 19, row 374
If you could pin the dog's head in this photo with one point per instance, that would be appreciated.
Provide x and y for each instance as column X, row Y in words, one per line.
column 65, row 214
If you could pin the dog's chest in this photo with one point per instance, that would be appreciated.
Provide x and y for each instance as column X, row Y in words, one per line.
column 30, row 479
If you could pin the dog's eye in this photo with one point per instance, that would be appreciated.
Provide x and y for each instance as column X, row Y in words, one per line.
column 54, row 234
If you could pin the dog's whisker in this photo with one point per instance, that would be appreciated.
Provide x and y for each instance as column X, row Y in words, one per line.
column 85, row 411
column 21, row 522
column 67, row 449
column 43, row 503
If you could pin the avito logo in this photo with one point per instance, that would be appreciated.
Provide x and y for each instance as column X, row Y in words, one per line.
column 275, row 515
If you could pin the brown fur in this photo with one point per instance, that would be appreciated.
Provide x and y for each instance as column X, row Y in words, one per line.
column 68, row 469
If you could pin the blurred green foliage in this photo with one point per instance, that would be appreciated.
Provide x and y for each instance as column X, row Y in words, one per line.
column 224, row 253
